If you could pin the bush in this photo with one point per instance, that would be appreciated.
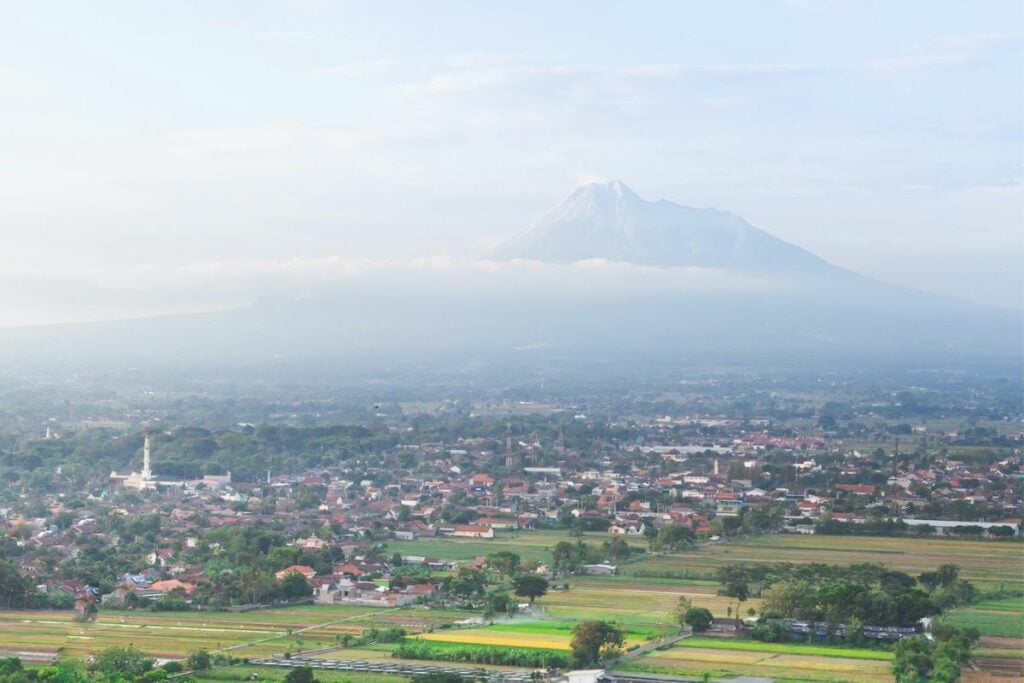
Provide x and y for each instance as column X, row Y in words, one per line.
column 303, row 674
column 115, row 661
column 698, row 618
column 199, row 660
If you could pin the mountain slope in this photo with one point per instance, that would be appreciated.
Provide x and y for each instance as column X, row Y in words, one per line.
column 610, row 221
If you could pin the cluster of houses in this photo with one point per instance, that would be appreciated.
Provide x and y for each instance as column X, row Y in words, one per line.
column 454, row 490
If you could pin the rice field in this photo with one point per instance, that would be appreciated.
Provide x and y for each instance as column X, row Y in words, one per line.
column 989, row 622
column 175, row 634
column 1001, row 624
column 530, row 545
column 642, row 604
column 637, row 603
column 786, row 648
column 728, row 662
column 535, row 635
column 500, row 638
column 988, row 564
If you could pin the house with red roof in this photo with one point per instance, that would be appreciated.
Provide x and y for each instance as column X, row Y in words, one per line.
column 307, row 572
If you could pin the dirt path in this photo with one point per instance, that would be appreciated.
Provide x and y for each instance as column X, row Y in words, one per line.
column 650, row 647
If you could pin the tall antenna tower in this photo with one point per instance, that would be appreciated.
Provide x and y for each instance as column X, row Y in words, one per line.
column 508, row 446
column 146, row 472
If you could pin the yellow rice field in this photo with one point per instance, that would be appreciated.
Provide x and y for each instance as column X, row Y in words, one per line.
column 501, row 638
column 788, row 667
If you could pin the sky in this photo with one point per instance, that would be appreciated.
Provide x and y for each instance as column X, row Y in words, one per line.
column 186, row 156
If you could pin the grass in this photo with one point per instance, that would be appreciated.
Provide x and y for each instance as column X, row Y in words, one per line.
column 989, row 623
column 1011, row 604
column 786, row 648
column 999, row 617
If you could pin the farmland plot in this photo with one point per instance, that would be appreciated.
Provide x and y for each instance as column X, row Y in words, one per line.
column 718, row 661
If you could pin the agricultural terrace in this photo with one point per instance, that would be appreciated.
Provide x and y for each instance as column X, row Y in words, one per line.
column 175, row 634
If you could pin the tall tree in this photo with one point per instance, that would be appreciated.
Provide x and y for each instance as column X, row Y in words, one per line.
column 530, row 586
column 594, row 640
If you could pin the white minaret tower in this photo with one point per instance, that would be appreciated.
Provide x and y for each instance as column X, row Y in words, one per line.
column 146, row 474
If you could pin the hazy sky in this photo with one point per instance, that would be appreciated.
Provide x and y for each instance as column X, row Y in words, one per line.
column 188, row 155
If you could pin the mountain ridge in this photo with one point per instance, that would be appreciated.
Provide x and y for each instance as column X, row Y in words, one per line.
column 610, row 221
column 621, row 317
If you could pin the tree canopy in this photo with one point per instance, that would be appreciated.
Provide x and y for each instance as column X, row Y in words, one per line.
column 594, row 640
column 530, row 586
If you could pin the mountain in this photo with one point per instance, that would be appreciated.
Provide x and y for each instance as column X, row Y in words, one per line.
column 738, row 297
column 610, row 221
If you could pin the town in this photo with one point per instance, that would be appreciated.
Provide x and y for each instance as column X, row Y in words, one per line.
column 515, row 510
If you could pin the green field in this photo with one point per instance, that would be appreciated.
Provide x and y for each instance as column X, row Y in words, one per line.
column 174, row 634
column 782, row 661
column 782, row 667
column 530, row 545
column 1011, row 604
column 637, row 603
column 562, row 628
column 989, row 623
column 1001, row 625
column 988, row 564
column 642, row 604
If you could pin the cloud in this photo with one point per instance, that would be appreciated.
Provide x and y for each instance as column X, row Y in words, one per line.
column 268, row 140
column 727, row 102
column 19, row 86
column 366, row 68
column 479, row 71
column 49, row 295
column 588, row 177
column 946, row 51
